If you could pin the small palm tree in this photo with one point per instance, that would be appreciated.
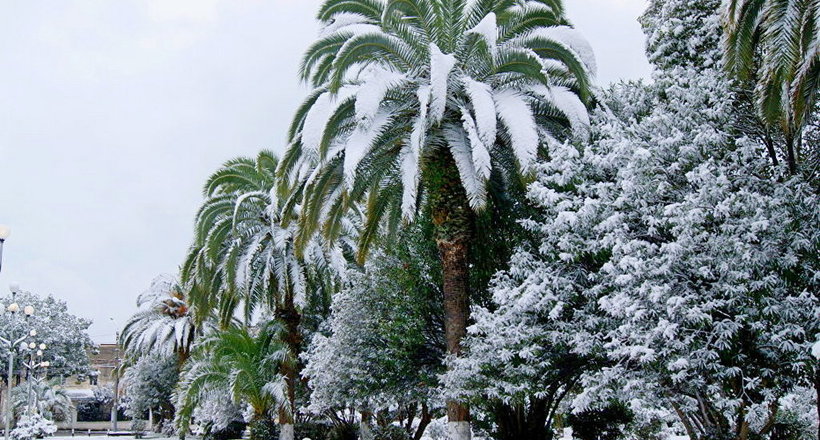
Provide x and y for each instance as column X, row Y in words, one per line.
column 417, row 104
column 47, row 397
column 243, row 257
column 163, row 323
column 241, row 360
column 775, row 44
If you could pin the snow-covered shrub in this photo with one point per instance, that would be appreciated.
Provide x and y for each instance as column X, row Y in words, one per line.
column 215, row 413
column 382, row 345
column 33, row 426
column 149, row 384
column 49, row 398
column 138, row 427
column 98, row 408
column 670, row 246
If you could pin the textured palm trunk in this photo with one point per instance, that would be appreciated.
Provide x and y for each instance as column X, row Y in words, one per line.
column 365, row 433
column 453, row 220
column 290, row 318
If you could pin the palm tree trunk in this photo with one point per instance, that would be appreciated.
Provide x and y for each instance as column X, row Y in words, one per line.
column 290, row 318
column 365, row 433
column 456, row 311
column 453, row 220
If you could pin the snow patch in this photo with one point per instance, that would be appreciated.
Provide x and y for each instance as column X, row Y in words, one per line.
column 517, row 116
column 360, row 142
column 568, row 103
column 481, row 96
column 372, row 92
column 573, row 40
column 440, row 67
column 487, row 29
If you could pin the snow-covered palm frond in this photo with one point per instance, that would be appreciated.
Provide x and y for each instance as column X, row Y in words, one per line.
column 430, row 65
column 441, row 65
column 243, row 257
column 361, row 141
column 459, row 145
column 481, row 98
column 570, row 38
column 487, row 29
column 516, row 115
column 163, row 322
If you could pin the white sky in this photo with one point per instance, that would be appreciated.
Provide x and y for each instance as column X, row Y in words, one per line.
column 112, row 115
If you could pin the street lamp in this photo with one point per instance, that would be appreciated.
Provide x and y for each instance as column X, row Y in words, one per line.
column 35, row 361
column 5, row 232
column 12, row 344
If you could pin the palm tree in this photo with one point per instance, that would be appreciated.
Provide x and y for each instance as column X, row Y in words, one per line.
column 242, row 256
column 419, row 105
column 775, row 44
column 50, row 400
column 164, row 322
column 240, row 360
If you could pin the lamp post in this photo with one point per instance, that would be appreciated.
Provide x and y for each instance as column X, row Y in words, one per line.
column 116, row 382
column 11, row 344
column 5, row 231
column 35, row 353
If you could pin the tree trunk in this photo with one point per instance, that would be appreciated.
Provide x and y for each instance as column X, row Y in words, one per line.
column 290, row 318
column 456, row 312
column 453, row 221
column 425, row 420
column 791, row 159
column 285, row 429
column 520, row 422
column 365, row 433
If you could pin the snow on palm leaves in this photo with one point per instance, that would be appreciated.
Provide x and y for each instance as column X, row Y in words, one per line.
column 163, row 322
column 242, row 252
column 396, row 80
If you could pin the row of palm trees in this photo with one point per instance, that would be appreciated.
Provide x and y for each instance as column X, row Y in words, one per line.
column 419, row 108
column 773, row 48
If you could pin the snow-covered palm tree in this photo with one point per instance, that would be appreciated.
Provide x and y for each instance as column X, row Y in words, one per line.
column 243, row 256
column 775, row 44
column 243, row 361
column 163, row 323
column 417, row 103
column 48, row 399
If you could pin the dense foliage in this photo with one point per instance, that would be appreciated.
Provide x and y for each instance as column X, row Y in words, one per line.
column 642, row 261
column 149, row 385
column 64, row 334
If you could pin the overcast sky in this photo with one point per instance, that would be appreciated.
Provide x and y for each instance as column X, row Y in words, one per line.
column 113, row 113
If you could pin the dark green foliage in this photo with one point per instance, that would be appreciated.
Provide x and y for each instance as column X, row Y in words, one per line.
column 232, row 431
column 314, row 430
column 263, row 429
column 341, row 431
column 390, row 432
column 605, row 423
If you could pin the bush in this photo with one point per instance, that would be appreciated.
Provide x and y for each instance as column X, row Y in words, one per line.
column 263, row 429
column 138, row 427
column 341, row 431
column 232, row 431
column 33, row 426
